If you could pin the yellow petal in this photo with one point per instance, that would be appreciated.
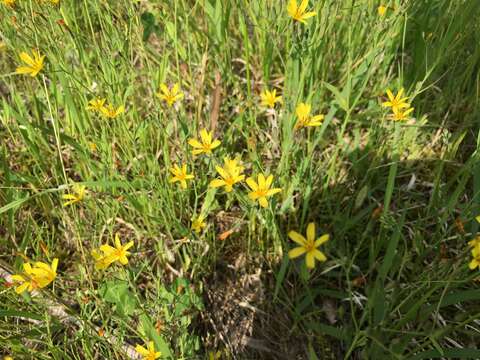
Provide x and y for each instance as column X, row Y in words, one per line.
column 128, row 245
column 20, row 289
column 319, row 255
column 23, row 70
column 292, row 8
column 303, row 6
column 273, row 191
column 195, row 143
column 311, row 232
column 322, row 239
column 223, row 173
column 296, row 252
column 118, row 244
column 298, row 238
column 473, row 264
column 252, row 184
column 217, row 183
column 141, row 350
column 261, row 181
column 310, row 260
column 263, row 201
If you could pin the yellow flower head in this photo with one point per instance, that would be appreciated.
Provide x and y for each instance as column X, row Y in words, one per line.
column 304, row 119
column 401, row 115
column 150, row 353
column 198, row 224
column 261, row 190
column 308, row 246
column 206, row 145
column 230, row 174
column 269, row 98
column 110, row 112
column 96, row 105
column 170, row 96
column 396, row 102
column 36, row 277
column 9, row 3
column 77, row 196
column 111, row 254
column 476, row 257
column 381, row 10
column 298, row 12
column 478, row 218
column 33, row 64
column 181, row 175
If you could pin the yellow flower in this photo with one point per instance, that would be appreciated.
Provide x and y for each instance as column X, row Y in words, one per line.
column 478, row 218
column 206, row 145
column 96, row 104
column 476, row 257
column 298, row 12
column 170, row 96
column 399, row 115
column 110, row 112
column 475, row 242
column 36, row 277
column 7, row 358
column 308, row 246
column 34, row 64
column 198, row 224
column 269, row 98
column 9, row 3
column 381, row 10
column 231, row 173
column 78, row 195
column 111, row 254
column 396, row 102
column 261, row 190
column 304, row 119
column 180, row 174
column 148, row 354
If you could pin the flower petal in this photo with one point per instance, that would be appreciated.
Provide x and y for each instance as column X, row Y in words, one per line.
column 252, row 184
column 319, row 255
column 298, row 238
column 322, row 239
column 296, row 252
column 310, row 260
column 217, row 183
column 263, row 201
column 311, row 232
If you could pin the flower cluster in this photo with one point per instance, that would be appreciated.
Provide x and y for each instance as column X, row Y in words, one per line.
column 35, row 277
column 401, row 109
column 109, row 111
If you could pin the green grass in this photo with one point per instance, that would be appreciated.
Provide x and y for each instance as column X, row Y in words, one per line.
column 391, row 195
